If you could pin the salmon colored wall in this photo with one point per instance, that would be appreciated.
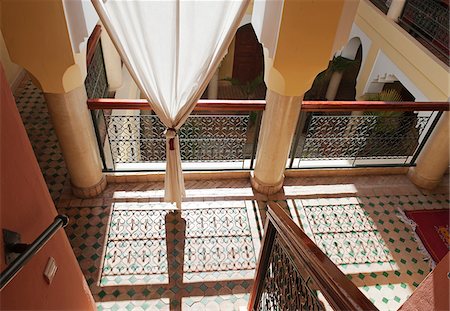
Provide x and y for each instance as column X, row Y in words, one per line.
column 26, row 207
column 432, row 293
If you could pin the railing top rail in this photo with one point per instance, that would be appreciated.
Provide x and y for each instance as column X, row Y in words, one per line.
column 202, row 105
column 255, row 105
column 339, row 291
column 92, row 43
column 330, row 106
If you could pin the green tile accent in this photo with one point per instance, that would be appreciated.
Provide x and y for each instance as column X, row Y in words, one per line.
column 145, row 292
column 116, row 293
column 101, row 294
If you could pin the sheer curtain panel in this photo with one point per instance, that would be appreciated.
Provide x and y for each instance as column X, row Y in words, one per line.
column 172, row 49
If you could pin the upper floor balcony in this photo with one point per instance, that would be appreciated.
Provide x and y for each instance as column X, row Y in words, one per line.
column 425, row 20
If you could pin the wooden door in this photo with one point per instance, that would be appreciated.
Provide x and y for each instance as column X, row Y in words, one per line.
column 248, row 55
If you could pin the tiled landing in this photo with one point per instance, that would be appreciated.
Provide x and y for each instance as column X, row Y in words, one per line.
column 137, row 253
column 33, row 110
column 371, row 241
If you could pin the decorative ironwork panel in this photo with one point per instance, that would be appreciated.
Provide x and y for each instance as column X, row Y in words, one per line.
column 346, row 233
column 141, row 138
column 284, row 287
column 96, row 82
column 429, row 20
column 363, row 137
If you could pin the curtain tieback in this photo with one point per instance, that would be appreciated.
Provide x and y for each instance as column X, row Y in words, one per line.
column 171, row 133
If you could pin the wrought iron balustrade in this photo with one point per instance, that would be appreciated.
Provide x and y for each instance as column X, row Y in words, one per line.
column 219, row 135
column 292, row 270
column 350, row 138
column 428, row 21
column 223, row 135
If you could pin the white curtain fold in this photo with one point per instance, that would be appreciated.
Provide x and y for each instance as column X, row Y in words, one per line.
column 172, row 49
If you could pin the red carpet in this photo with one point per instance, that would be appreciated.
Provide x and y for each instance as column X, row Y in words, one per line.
column 432, row 228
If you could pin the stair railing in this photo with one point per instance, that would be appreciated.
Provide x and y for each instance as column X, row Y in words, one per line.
column 292, row 270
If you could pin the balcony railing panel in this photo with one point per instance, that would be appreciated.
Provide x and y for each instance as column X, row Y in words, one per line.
column 350, row 134
column 336, row 137
column 203, row 138
column 222, row 135
column 428, row 21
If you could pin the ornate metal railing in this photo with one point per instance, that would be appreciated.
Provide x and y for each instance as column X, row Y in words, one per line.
column 96, row 82
column 378, row 134
column 292, row 270
column 218, row 135
column 428, row 21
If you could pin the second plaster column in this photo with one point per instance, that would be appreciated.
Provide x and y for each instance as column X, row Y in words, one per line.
column 433, row 161
column 277, row 130
column 73, row 126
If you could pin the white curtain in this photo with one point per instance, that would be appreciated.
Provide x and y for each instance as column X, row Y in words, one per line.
column 172, row 49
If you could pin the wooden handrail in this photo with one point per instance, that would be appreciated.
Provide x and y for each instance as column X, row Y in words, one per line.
column 338, row 290
column 258, row 105
column 202, row 105
column 330, row 106
column 93, row 40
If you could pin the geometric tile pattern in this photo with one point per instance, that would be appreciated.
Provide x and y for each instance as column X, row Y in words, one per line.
column 346, row 233
column 382, row 254
column 36, row 119
column 222, row 281
column 215, row 209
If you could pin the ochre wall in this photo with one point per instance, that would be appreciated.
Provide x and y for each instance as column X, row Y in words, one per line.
column 310, row 33
column 428, row 73
column 37, row 38
column 26, row 207
column 12, row 70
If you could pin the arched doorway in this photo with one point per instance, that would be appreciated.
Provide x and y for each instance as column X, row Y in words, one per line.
column 248, row 55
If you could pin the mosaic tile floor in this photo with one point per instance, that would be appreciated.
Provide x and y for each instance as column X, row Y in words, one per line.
column 33, row 110
column 138, row 254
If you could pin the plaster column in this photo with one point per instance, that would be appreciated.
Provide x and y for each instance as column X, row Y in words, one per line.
column 277, row 131
column 396, row 9
column 434, row 158
column 73, row 126
column 213, row 87
column 113, row 62
column 333, row 85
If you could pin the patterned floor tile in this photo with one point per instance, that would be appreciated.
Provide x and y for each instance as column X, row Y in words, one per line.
column 138, row 253
column 371, row 244
column 36, row 119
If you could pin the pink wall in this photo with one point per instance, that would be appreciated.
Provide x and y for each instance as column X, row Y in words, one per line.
column 433, row 292
column 26, row 207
